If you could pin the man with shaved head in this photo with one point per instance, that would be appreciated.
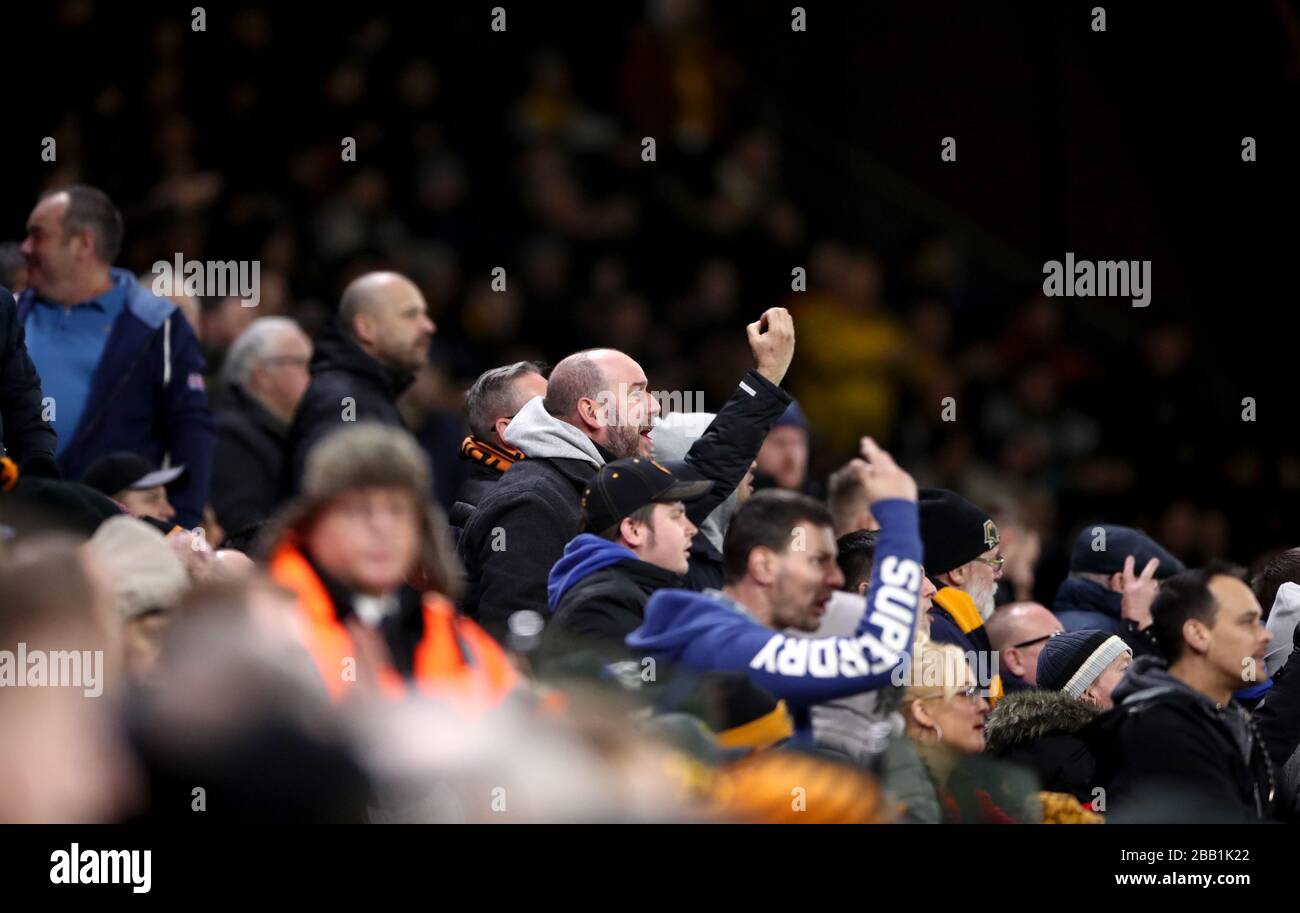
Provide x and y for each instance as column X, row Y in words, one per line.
column 598, row 408
column 361, row 364
column 1018, row 632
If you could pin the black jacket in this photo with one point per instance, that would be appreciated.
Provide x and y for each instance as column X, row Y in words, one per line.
column 26, row 436
column 1085, row 605
column 706, row 571
column 611, row 601
column 247, row 466
column 477, row 485
column 1168, row 753
column 1037, row 730
column 522, row 525
column 347, row 385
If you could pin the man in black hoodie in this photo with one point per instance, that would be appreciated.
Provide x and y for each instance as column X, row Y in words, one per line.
column 1178, row 746
column 361, row 364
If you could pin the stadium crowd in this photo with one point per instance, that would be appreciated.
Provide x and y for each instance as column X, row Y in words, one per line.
column 361, row 553
column 271, row 601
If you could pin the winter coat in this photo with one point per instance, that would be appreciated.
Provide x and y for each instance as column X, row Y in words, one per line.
column 487, row 463
column 24, row 434
column 246, row 470
column 147, row 395
column 599, row 588
column 1167, row 753
column 1085, row 605
column 347, row 385
column 521, row 526
column 1037, row 729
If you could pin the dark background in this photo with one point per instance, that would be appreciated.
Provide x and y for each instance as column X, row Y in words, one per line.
column 775, row 149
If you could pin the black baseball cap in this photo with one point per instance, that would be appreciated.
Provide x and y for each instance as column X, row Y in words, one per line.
column 625, row 486
column 126, row 470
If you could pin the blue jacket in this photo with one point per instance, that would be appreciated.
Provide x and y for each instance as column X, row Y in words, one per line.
column 707, row 632
column 584, row 555
column 147, row 395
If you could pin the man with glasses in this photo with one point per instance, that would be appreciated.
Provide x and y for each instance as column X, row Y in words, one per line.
column 963, row 558
column 1018, row 632
column 266, row 376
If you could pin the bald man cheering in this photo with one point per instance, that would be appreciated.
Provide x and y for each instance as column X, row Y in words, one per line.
column 598, row 408
column 361, row 364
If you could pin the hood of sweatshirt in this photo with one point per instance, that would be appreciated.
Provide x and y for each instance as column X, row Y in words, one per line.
column 1281, row 623
column 675, row 618
column 1149, row 672
column 673, row 438
column 584, row 555
column 543, row 436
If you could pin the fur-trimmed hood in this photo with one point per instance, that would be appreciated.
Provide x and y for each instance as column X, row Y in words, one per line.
column 1025, row 716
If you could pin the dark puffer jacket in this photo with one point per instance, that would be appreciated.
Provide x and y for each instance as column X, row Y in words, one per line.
column 1036, row 729
column 347, row 385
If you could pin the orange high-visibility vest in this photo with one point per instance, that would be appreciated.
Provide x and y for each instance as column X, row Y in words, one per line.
column 456, row 660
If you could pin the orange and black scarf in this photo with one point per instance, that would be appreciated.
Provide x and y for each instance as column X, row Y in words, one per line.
column 489, row 455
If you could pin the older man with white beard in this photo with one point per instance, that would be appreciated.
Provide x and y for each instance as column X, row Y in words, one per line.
column 963, row 559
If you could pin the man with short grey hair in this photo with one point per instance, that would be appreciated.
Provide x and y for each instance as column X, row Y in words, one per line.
column 490, row 403
column 266, row 376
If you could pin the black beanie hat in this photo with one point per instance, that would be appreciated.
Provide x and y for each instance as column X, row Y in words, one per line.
column 953, row 530
column 1070, row 662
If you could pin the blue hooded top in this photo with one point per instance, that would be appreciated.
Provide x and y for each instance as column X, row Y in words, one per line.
column 585, row 554
column 710, row 632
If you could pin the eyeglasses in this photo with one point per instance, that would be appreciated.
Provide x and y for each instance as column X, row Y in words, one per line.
column 995, row 563
column 1036, row 640
column 972, row 694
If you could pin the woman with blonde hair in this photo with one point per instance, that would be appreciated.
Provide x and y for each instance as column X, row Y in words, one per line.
column 943, row 709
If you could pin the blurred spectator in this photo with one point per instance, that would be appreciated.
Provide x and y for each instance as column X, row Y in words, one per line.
column 266, row 377
column 673, row 437
column 63, row 761
column 783, row 458
column 123, row 372
column 363, row 528
column 13, row 267
column 491, row 403
column 148, row 583
column 141, row 488
column 25, row 436
column 847, row 498
column 361, row 363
